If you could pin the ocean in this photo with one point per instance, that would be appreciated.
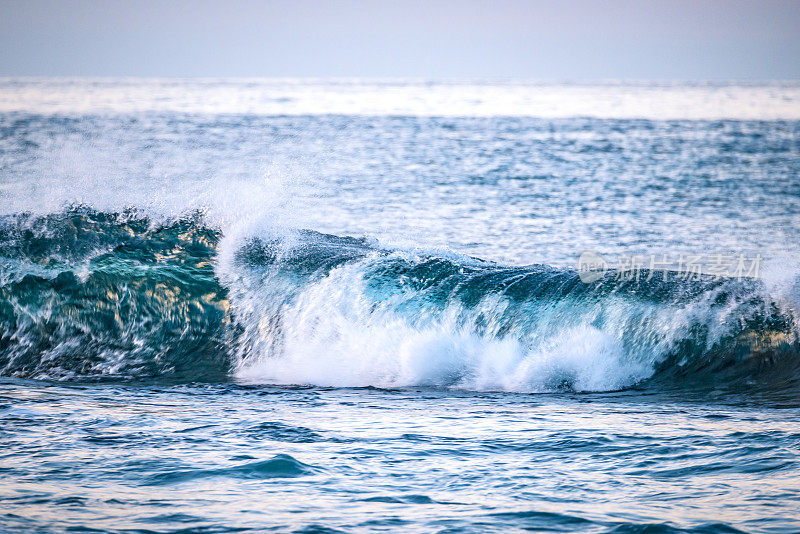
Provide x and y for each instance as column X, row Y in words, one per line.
column 399, row 306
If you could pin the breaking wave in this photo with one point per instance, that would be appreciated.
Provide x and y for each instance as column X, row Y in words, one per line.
column 88, row 295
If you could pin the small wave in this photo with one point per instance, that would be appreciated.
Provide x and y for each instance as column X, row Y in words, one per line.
column 404, row 499
column 280, row 466
column 273, row 430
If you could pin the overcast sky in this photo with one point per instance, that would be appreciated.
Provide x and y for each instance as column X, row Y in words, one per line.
column 637, row 39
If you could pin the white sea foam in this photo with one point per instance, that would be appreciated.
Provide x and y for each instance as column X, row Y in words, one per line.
column 395, row 354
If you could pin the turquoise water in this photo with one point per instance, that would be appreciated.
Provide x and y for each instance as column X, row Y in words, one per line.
column 347, row 306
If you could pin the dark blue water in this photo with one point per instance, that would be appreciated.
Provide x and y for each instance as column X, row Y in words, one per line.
column 219, row 317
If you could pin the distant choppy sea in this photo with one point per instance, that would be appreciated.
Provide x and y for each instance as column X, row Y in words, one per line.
column 399, row 306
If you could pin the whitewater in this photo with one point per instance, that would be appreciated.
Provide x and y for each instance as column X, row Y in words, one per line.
column 357, row 305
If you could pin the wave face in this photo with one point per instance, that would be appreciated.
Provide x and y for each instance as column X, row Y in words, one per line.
column 88, row 295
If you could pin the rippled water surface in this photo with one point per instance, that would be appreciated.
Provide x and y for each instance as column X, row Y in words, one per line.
column 222, row 458
column 350, row 306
